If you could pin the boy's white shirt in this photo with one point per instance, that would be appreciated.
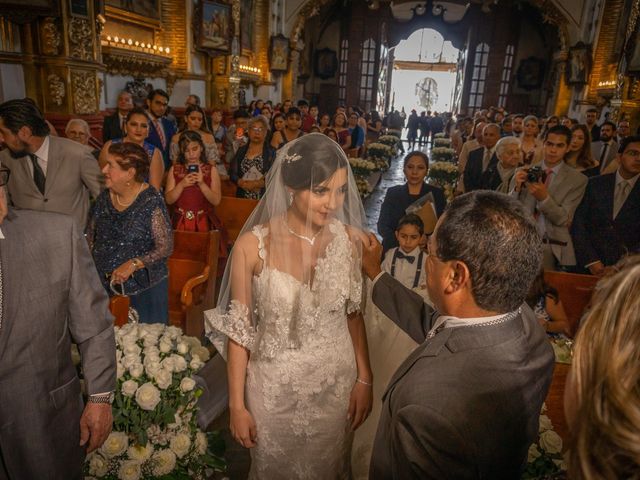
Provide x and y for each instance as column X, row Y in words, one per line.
column 406, row 272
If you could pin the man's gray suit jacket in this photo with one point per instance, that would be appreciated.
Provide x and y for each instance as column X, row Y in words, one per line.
column 466, row 403
column 52, row 296
column 73, row 174
column 565, row 194
column 610, row 155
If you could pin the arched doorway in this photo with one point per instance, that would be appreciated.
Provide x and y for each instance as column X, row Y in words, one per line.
column 424, row 72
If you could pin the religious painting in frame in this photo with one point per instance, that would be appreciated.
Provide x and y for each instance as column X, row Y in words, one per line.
column 530, row 73
column 214, row 27
column 579, row 64
column 279, row 53
column 246, row 30
column 325, row 64
column 147, row 9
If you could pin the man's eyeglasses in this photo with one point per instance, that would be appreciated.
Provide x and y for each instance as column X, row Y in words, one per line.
column 257, row 129
column 4, row 176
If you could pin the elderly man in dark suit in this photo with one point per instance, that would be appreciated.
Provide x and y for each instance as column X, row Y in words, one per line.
column 113, row 126
column 466, row 403
column 161, row 129
column 606, row 225
column 482, row 158
column 48, row 173
column 51, row 296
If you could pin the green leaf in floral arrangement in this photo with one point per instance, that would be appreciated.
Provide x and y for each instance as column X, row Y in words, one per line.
column 216, row 443
column 216, row 463
column 169, row 415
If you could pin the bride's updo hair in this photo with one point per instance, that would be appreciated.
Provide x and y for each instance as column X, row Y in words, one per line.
column 311, row 160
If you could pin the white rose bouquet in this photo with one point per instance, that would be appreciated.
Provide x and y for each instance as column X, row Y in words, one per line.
column 442, row 154
column 362, row 167
column 380, row 154
column 364, row 187
column 441, row 142
column 443, row 173
column 391, row 141
column 545, row 456
column 155, row 434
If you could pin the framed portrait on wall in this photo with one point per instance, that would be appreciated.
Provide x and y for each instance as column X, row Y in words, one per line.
column 578, row 64
column 325, row 63
column 530, row 73
column 214, row 27
column 148, row 9
column 246, row 22
column 279, row 53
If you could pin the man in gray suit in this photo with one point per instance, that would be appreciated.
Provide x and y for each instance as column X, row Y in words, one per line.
column 552, row 199
column 48, row 173
column 605, row 150
column 466, row 403
column 50, row 295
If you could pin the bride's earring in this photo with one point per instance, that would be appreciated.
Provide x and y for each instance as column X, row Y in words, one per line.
column 290, row 198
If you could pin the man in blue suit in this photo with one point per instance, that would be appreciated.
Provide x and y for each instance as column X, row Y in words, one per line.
column 606, row 224
column 161, row 129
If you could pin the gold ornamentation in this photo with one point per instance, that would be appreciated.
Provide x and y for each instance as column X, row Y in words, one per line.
column 135, row 64
column 81, row 38
column 84, row 92
column 56, row 88
column 222, row 96
column 51, row 39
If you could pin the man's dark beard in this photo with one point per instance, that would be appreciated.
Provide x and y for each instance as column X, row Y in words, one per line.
column 18, row 153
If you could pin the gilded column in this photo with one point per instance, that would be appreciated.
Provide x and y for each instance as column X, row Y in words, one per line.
column 233, row 100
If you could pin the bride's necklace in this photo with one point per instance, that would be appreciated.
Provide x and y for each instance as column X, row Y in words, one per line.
column 310, row 241
column 122, row 204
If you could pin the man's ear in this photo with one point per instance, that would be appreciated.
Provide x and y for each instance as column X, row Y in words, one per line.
column 458, row 277
column 25, row 133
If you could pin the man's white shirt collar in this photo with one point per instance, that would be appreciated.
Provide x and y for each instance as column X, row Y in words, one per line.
column 43, row 152
column 631, row 181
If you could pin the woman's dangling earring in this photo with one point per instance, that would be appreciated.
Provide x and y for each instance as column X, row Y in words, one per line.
column 290, row 198
column 128, row 183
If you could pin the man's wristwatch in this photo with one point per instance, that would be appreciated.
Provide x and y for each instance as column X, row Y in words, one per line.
column 102, row 398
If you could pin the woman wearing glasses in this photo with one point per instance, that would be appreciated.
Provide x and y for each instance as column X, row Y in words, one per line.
column 252, row 161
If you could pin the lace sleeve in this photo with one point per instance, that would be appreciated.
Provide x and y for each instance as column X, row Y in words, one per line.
column 162, row 238
column 355, row 299
column 233, row 319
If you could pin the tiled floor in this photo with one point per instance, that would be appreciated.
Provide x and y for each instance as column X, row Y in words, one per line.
column 238, row 457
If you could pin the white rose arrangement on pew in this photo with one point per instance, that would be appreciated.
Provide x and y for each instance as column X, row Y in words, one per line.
column 155, row 434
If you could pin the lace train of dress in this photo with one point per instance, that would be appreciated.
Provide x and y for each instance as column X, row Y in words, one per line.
column 389, row 346
column 299, row 396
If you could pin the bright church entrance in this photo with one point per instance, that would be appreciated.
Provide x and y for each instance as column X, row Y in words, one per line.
column 424, row 73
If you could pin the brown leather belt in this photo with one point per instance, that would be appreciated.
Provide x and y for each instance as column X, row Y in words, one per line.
column 550, row 241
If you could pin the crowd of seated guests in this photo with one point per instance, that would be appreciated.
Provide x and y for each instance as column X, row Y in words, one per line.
column 581, row 192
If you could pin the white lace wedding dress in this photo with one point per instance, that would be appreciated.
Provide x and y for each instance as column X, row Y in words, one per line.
column 302, row 365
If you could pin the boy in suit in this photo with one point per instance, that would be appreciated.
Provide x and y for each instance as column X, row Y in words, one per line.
column 405, row 263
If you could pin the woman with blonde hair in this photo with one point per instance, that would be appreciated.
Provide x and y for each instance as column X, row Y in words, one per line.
column 602, row 398
column 529, row 142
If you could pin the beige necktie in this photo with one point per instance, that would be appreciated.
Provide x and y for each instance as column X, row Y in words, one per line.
column 622, row 191
column 486, row 159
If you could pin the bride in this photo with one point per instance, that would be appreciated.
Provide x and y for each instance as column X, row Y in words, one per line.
column 288, row 318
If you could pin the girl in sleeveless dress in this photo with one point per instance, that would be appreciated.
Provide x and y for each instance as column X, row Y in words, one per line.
column 288, row 319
